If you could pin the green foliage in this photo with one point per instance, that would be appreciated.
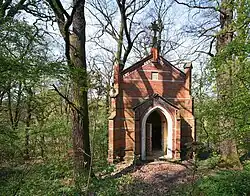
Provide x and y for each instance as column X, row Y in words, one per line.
column 45, row 178
column 247, row 165
column 207, row 113
column 56, row 177
column 28, row 108
column 56, row 133
column 110, row 186
column 27, row 70
column 223, row 112
column 218, row 183
column 211, row 162
column 25, row 54
column 9, row 144
column 99, row 131
column 227, row 183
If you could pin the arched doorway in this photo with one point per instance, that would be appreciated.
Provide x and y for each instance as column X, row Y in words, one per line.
column 156, row 134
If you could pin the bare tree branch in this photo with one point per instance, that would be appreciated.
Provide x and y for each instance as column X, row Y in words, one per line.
column 200, row 7
column 67, row 100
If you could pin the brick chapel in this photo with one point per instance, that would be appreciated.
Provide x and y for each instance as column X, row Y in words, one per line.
column 151, row 110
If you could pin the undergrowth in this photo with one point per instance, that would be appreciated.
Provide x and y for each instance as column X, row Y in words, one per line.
column 56, row 178
column 219, row 183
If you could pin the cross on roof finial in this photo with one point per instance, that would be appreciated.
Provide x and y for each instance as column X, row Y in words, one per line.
column 156, row 28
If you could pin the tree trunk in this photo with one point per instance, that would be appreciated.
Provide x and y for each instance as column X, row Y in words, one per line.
column 18, row 102
column 10, row 108
column 27, row 129
column 107, row 98
column 228, row 147
column 42, row 140
column 76, row 58
column 81, row 144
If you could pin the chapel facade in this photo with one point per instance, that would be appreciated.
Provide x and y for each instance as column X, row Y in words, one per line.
column 151, row 110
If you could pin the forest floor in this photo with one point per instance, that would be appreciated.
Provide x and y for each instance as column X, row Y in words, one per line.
column 156, row 178
column 153, row 178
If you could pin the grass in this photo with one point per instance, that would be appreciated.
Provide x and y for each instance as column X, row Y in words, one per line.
column 36, row 179
column 219, row 183
column 225, row 183
column 56, row 178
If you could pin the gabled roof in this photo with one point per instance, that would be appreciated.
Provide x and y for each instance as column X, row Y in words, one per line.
column 137, row 64
column 153, row 96
column 142, row 61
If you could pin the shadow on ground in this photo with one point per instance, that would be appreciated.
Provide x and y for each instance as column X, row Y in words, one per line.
column 155, row 178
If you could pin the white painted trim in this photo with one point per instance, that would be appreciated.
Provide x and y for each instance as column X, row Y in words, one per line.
column 162, row 136
column 144, row 98
column 153, row 70
column 151, row 63
column 170, row 132
column 177, row 81
column 150, row 133
column 124, row 128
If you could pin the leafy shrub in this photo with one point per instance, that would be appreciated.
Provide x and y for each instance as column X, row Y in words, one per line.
column 45, row 178
column 211, row 162
column 225, row 183
column 246, row 165
column 220, row 183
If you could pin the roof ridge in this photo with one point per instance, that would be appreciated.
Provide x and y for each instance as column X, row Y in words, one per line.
column 139, row 63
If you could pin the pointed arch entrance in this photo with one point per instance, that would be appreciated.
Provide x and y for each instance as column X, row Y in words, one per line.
column 168, row 140
column 156, row 133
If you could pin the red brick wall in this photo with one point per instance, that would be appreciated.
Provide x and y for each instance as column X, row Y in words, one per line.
column 136, row 86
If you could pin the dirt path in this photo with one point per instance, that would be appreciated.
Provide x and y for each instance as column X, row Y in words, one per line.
column 156, row 178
